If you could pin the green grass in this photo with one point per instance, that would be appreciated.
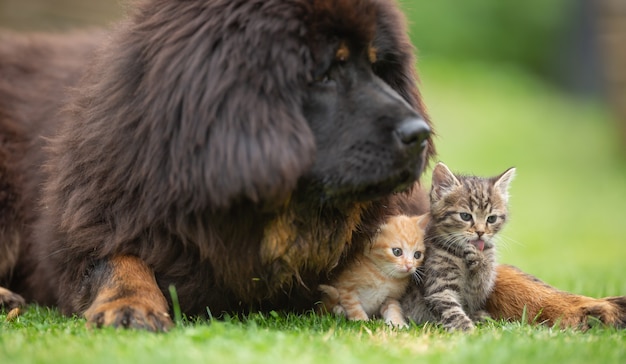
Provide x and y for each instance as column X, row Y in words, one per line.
column 567, row 206
column 42, row 336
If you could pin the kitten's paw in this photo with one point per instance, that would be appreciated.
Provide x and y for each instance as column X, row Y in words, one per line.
column 472, row 262
column 464, row 325
column 391, row 310
column 339, row 310
column 357, row 316
column 480, row 316
column 397, row 324
column 472, row 257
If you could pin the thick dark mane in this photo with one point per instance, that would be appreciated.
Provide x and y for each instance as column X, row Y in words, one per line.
column 201, row 141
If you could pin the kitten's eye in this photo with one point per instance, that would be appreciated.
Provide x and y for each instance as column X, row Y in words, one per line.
column 396, row 251
column 417, row 255
column 465, row 216
column 491, row 219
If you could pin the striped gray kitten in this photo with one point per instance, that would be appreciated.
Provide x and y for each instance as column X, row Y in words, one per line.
column 460, row 260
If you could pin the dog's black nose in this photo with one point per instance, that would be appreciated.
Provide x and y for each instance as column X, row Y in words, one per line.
column 413, row 131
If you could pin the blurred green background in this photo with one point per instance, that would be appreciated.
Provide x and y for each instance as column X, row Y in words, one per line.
column 507, row 83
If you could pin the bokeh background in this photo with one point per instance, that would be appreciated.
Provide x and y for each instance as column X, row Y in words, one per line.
column 536, row 84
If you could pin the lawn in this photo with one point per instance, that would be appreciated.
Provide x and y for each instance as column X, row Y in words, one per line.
column 566, row 227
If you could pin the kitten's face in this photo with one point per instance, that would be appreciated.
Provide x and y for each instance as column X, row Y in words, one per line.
column 469, row 210
column 398, row 248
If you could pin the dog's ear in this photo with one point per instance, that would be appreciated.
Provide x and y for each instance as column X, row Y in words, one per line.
column 208, row 114
column 240, row 105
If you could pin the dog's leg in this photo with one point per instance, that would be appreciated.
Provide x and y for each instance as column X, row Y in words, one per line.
column 515, row 291
column 128, row 296
column 10, row 299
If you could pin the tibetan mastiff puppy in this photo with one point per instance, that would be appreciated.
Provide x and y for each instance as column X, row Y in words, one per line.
column 234, row 152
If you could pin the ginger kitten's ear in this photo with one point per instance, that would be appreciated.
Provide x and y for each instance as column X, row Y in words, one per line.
column 501, row 183
column 422, row 220
column 443, row 181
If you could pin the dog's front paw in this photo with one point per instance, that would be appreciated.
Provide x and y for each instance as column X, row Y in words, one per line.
column 128, row 297
column 129, row 314
column 10, row 300
column 610, row 311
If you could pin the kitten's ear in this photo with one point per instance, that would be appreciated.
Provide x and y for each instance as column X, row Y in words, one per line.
column 422, row 220
column 443, row 181
column 501, row 183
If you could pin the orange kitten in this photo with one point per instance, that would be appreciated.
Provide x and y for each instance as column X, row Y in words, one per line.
column 377, row 279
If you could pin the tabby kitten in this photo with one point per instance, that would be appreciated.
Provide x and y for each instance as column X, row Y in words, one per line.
column 375, row 281
column 459, row 268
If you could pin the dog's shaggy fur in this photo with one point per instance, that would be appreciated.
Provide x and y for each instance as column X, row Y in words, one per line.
column 235, row 150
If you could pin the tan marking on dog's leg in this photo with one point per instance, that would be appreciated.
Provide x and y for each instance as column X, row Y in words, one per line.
column 13, row 314
column 10, row 299
column 515, row 291
column 129, row 298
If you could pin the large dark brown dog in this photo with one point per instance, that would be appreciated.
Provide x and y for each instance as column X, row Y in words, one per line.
column 236, row 150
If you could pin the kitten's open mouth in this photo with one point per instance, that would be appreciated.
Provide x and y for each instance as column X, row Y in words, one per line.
column 479, row 244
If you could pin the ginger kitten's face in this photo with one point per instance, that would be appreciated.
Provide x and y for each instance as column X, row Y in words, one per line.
column 469, row 210
column 398, row 248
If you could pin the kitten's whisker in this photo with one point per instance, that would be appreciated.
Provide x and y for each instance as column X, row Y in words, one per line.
column 505, row 243
column 453, row 242
column 508, row 239
column 418, row 276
